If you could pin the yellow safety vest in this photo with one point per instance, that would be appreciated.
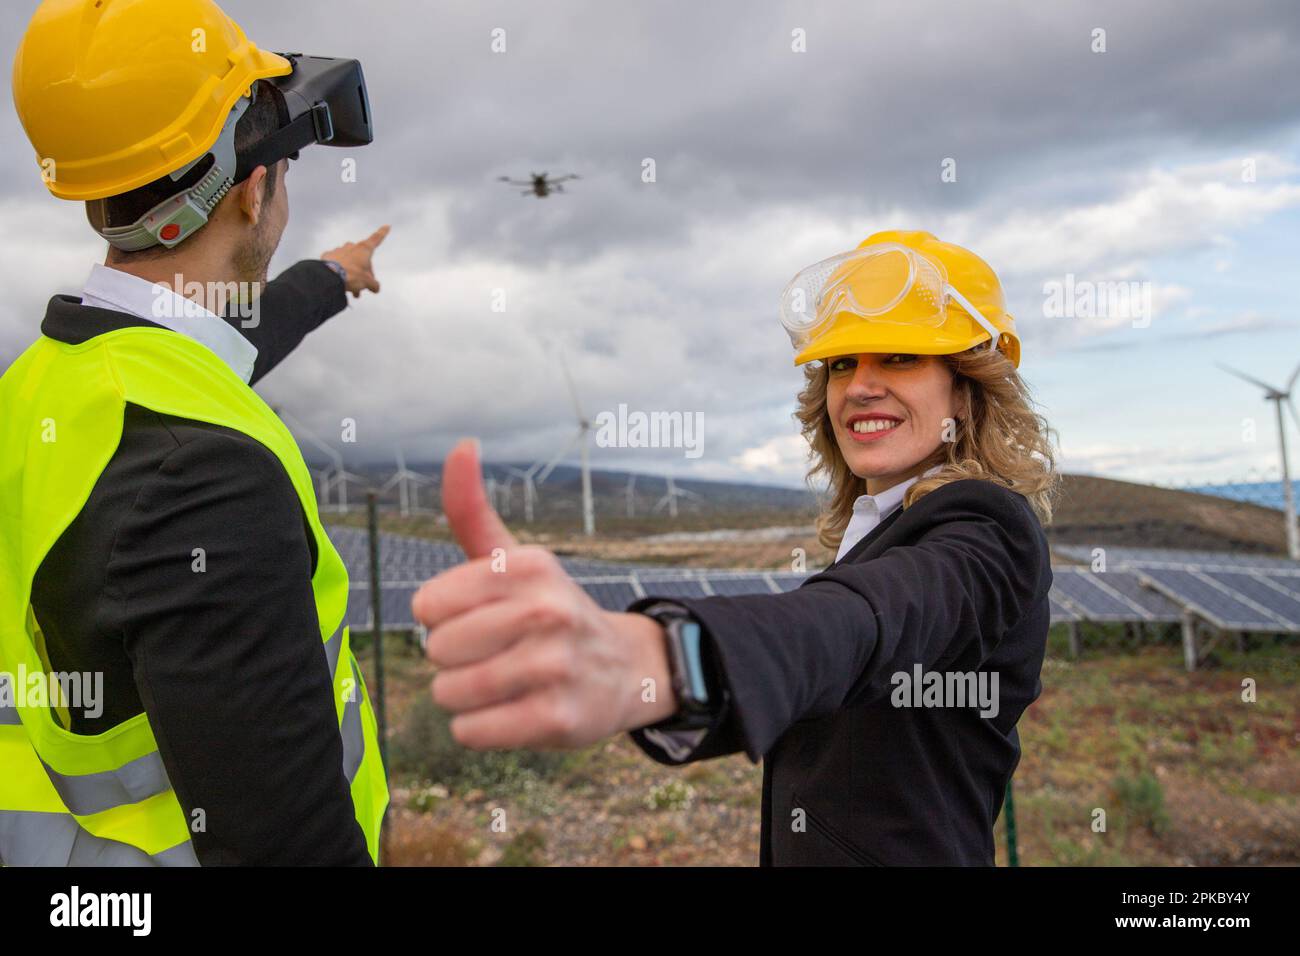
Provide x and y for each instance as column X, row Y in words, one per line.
column 72, row 799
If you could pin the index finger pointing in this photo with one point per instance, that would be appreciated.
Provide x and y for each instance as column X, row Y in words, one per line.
column 377, row 238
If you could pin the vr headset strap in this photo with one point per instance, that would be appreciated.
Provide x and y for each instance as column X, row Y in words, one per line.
column 313, row 126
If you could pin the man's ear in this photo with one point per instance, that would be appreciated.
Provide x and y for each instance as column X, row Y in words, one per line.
column 252, row 195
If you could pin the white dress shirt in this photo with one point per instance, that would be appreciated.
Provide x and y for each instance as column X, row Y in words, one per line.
column 122, row 292
column 868, row 512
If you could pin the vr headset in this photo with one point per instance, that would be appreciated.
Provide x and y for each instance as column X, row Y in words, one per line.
column 322, row 101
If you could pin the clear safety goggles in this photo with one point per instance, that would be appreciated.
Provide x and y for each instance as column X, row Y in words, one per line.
column 887, row 283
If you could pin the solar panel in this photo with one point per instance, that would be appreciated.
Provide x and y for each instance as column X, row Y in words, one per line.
column 1278, row 602
column 1220, row 607
column 1158, row 607
column 732, row 586
column 397, row 607
column 401, row 558
column 1060, row 613
column 611, row 595
column 1286, row 582
column 1090, row 594
column 787, row 580
column 406, row 559
column 357, row 616
column 587, row 567
column 1233, row 591
column 671, row 588
column 1167, row 557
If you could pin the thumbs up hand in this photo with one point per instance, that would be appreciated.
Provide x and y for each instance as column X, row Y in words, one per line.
column 525, row 657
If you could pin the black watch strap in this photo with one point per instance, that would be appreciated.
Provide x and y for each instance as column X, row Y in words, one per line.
column 698, row 702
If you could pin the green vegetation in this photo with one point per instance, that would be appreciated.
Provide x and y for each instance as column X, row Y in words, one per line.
column 1142, row 800
column 527, row 849
column 675, row 795
column 423, row 747
column 1185, row 771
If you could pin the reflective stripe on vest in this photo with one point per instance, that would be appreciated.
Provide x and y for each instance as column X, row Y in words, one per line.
column 354, row 744
column 32, row 838
column 106, row 799
column 146, row 776
column 92, row 793
column 56, row 839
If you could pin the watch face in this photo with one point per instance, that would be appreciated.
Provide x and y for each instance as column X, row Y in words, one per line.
column 688, row 671
column 684, row 638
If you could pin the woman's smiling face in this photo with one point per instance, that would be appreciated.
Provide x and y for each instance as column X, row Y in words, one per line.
column 889, row 412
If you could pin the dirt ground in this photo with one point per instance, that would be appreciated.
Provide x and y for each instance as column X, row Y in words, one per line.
column 1178, row 768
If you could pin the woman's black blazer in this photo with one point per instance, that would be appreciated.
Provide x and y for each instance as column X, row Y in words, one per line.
column 956, row 584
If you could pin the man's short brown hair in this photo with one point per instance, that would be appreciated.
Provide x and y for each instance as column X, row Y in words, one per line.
column 259, row 121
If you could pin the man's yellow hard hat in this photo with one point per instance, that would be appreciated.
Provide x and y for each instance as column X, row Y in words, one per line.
column 899, row 291
column 115, row 94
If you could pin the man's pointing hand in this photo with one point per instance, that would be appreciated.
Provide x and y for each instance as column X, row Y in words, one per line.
column 357, row 258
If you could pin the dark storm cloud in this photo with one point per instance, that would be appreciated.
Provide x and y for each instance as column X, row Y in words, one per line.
column 663, row 293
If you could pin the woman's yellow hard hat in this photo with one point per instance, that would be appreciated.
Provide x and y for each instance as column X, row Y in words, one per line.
column 897, row 292
column 114, row 94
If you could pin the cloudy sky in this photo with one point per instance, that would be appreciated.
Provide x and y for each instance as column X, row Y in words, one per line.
column 1170, row 159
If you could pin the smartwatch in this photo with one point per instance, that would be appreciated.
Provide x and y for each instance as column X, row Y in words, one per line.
column 697, row 703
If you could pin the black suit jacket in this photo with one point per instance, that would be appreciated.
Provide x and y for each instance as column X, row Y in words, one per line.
column 956, row 584
column 226, row 663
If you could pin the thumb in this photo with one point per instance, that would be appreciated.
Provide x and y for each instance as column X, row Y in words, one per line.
column 475, row 525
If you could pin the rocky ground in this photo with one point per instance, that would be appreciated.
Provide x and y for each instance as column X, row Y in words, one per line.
column 1184, row 771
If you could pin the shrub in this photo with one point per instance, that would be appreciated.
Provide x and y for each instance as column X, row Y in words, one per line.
column 1142, row 800
column 424, row 748
column 526, row 849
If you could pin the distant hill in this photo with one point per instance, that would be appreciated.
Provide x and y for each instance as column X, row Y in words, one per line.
column 1089, row 510
column 703, row 505
column 729, row 496
column 1104, row 511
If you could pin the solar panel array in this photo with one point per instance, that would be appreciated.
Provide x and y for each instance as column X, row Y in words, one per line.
column 1232, row 592
column 1110, row 596
column 1173, row 557
column 406, row 562
column 404, row 558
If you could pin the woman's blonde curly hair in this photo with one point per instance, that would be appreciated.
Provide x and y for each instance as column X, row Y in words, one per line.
column 1000, row 438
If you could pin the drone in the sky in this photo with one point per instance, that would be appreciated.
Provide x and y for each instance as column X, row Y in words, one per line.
column 540, row 186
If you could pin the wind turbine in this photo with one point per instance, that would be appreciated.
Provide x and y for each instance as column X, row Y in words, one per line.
column 504, row 488
column 340, row 480
column 335, row 474
column 1280, row 396
column 584, row 426
column 671, row 496
column 322, row 477
column 530, row 489
column 408, row 485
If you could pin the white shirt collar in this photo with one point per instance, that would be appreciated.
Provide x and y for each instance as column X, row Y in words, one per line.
column 869, row 511
column 122, row 292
